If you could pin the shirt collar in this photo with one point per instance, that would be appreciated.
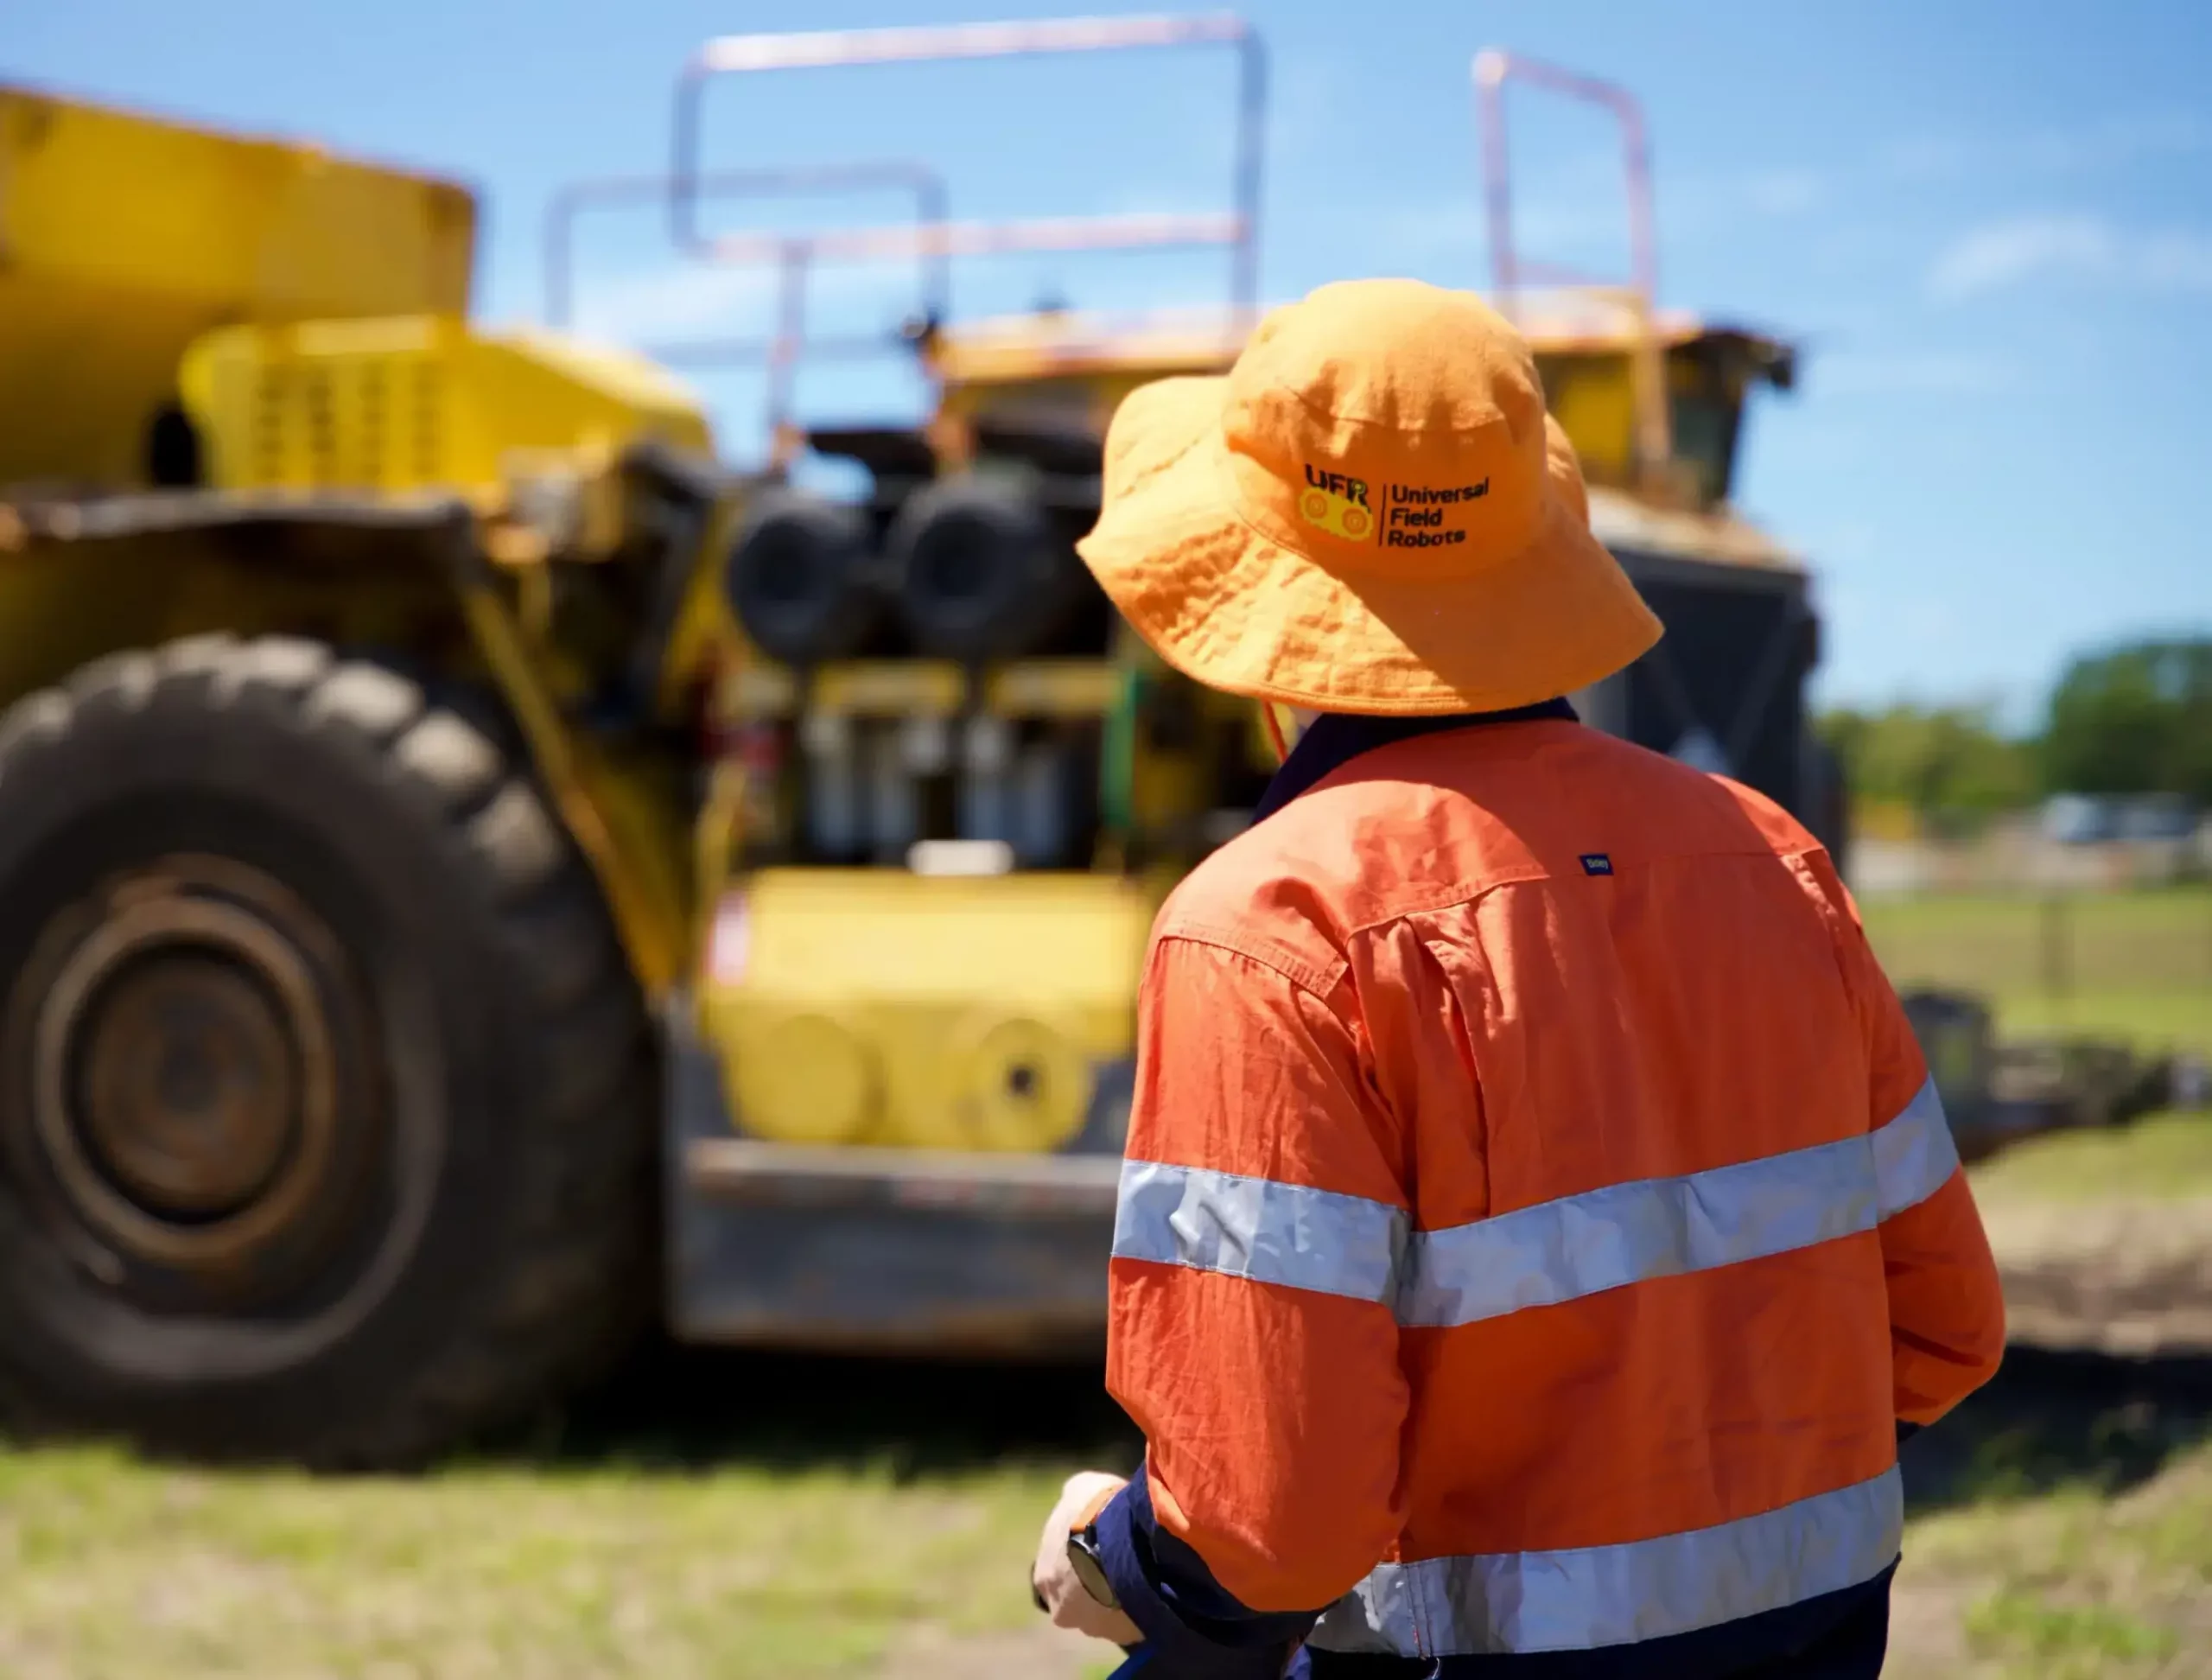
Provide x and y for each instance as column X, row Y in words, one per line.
column 1334, row 739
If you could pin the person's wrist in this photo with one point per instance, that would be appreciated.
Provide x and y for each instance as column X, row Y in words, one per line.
column 1087, row 1514
column 1069, row 1580
column 1089, row 1566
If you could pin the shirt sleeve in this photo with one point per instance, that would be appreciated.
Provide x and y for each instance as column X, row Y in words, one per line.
column 1256, row 1255
column 1194, row 1628
column 1946, row 1308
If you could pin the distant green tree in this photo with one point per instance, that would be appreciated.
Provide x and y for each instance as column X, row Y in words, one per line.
column 2134, row 720
column 1949, row 764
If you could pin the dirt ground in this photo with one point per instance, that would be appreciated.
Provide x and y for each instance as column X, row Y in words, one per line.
column 2132, row 1279
column 2105, row 1236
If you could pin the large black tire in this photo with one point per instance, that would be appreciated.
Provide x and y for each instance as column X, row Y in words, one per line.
column 803, row 579
column 981, row 575
column 327, row 1102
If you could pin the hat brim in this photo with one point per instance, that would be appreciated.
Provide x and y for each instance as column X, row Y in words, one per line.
column 1241, row 612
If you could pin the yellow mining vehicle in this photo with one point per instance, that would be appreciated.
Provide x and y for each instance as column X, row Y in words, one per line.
column 459, row 846
column 345, row 787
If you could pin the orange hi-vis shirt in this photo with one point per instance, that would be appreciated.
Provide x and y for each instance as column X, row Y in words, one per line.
column 1538, row 1214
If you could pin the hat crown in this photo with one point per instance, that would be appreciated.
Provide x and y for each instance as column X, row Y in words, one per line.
column 1396, row 413
column 1399, row 354
column 1371, row 513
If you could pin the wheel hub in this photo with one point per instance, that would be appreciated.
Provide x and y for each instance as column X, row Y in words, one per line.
column 188, row 1089
column 183, row 1083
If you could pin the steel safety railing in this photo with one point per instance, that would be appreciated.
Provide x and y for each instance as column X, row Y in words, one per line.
column 793, row 254
column 939, row 239
column 923, row 185
column 1511, row 272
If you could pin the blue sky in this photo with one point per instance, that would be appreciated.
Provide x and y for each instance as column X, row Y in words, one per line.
column 1990, row 226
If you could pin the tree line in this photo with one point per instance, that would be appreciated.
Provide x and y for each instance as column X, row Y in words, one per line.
column 2133, row 720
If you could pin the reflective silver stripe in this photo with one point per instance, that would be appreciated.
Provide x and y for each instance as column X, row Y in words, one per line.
column 1915, row 1154
column 1606, row 1595
column 1628, row 1233
column 1532, row 1256
column 1260, row 1229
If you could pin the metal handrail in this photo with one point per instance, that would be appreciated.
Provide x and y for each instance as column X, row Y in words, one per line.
column 1492, row 70
column 825, row 50
column 609, row 192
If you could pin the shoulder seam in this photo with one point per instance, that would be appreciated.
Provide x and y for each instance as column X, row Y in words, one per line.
column 1462, row 893
column 1456, row 896
column 1319, row 982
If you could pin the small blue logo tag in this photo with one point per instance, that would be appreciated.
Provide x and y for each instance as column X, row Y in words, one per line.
column 1597, row 864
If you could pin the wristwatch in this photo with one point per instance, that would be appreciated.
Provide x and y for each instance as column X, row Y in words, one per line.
column 1089, row 1566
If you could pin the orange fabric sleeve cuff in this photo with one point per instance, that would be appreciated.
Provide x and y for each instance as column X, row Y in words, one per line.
column 1099, row 1501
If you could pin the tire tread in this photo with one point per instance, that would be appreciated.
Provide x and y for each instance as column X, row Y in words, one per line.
column 573, row 1279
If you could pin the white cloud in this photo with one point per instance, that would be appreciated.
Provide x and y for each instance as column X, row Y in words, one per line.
column 678, row 303
column 1911, row 373
column 2003, row 253
column 2069, row 246
column 1789, row 192
column 1309, row 110
column 1577, row 215
column 673, row 303
column 2180, row 261
column 2098, row 145
column 1548, row 229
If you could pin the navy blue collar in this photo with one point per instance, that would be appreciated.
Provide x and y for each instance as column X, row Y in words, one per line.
column 1334, row 739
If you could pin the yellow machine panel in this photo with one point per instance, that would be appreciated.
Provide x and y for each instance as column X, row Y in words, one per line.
column 875, row 1007
column 1059, row 370
column 123, row 238
column 401, row 403
column 1704, row 374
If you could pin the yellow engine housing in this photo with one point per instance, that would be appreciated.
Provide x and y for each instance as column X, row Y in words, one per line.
column 874, row 1007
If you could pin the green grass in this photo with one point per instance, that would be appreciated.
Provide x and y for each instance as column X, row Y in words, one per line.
column 111, row 1569
column 114, row 1569
column 2164, row 1157
column 2133, row 966
column 2061, row 1639
column 2071, row 1583
column 2178, row 1020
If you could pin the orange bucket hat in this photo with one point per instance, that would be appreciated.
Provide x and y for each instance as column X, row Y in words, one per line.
column 1371, row 512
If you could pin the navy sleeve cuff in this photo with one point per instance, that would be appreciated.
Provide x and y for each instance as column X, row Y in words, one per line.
column 1196, row 1629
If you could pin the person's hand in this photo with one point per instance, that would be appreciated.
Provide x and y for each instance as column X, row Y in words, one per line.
column 1065, row 1598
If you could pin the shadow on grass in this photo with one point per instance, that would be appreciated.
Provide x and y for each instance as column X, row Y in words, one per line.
column 690, row 1407
column 2051, row 1420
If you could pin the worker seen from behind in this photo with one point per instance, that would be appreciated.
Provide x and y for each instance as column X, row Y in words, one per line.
column 1539, row 1226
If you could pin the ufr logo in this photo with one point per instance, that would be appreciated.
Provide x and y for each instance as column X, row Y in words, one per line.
column 1336, row 503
